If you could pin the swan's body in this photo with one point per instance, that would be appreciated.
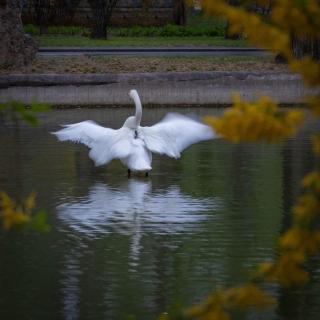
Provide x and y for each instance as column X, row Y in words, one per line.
column 133, row 144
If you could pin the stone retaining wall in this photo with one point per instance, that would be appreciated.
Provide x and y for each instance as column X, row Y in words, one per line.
column 180, row 88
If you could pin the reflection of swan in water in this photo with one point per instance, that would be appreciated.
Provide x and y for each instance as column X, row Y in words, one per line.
column 133, row 209
column 71, row 284
column 106, row 209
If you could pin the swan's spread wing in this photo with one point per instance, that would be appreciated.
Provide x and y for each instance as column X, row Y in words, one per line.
column 86, row 132
column 174, row 134
column 105, row 144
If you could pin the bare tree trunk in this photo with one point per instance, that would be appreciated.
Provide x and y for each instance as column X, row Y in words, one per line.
column 179, row 13
column 99, row 26
column 16, row 48
column 101, row 15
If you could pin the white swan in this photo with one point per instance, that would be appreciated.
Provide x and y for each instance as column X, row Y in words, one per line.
column 133, row 144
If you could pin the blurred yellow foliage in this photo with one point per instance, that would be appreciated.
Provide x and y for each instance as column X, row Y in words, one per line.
column 312, row 181
column 307, row 208
column 288, row 18
column 263, row 121
column 247, row 296
column 217, row 305
column 12, row 215
column 287, row 271
column 251, row 25
column 308, row 68
column 15, row 216
column 300, row 239
column 316, row 144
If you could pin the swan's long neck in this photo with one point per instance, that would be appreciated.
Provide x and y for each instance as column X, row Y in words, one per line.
column 138, row 105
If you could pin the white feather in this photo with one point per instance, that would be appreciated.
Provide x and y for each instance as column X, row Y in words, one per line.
column 139, row 158
column 174, row 134
column 133, row 144
column 105, row 144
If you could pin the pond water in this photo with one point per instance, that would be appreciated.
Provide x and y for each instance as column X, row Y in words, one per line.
column 122, row 247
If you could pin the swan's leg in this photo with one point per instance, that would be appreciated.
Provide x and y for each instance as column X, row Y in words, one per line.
column 129, row 173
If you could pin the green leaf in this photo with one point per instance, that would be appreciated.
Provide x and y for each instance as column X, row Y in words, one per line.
column 29, row 118
column 39, row 222
column 16, row 109
column 39, row 107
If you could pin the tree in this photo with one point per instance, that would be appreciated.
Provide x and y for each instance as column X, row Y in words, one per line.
column 101, row 15
column 179, row 12
column 16, row 48
column 49, row 12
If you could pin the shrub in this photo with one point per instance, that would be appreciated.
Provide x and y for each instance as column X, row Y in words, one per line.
column 169, row 31
column 31, row 29
column 136, row 31
column 63, row 30
column 66, row 30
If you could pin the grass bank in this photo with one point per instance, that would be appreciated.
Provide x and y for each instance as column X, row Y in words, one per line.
column 89, row 64
column 81, row 41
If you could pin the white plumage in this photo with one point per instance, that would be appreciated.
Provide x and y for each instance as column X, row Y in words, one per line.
column 133, row 144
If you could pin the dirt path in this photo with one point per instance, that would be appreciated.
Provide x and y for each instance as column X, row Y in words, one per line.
column 87, row 64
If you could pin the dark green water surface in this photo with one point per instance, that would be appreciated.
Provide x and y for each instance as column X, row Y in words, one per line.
column 122, row 247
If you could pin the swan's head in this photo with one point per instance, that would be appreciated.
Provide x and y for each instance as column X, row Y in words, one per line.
column 131, row 123
column 133, row 94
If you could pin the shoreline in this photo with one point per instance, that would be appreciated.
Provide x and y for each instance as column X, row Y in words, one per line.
column 160, row 88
